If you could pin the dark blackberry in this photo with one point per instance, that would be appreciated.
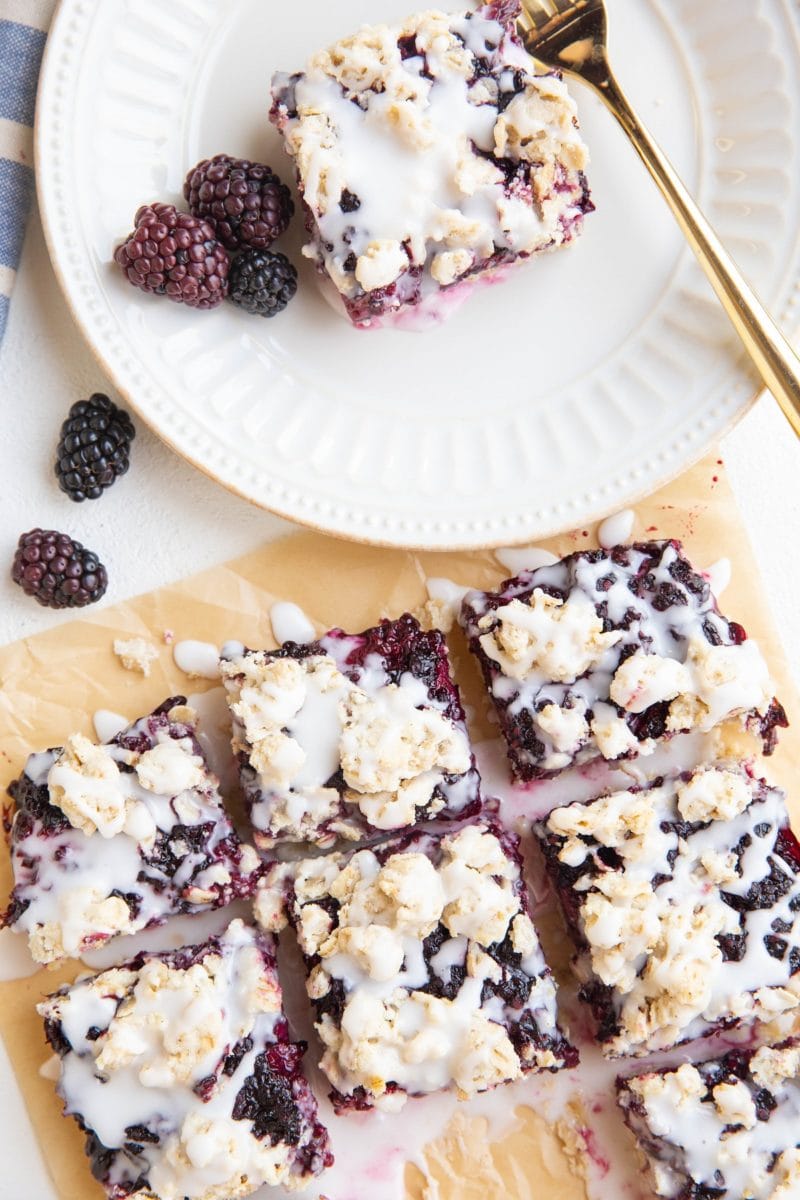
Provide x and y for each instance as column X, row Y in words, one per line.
column 733, row 946
column 765, row 1104
column 246, row 201
column 57, row 571
column 262, row 282
column 177, row 255
column 349, row 201
column 140, row 1133
column 93, row 448
column 266, row 1100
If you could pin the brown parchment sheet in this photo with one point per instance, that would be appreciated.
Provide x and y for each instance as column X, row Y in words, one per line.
column 51, row 684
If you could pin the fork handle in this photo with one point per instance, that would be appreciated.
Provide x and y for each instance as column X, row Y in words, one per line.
column 769, row 350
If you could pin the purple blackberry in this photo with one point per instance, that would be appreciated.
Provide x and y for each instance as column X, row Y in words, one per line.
column 57, row 571
column 93, row 448
column 246, row 201
column 174, row 254
column 262, row 282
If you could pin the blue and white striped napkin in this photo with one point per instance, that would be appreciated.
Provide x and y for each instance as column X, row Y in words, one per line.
column 23, row 26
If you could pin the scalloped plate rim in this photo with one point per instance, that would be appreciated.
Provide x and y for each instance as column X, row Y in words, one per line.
column 343, row 526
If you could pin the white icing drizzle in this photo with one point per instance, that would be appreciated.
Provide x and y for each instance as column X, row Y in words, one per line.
column 617, row 529
column 15, row 957
column 300, row 720
column 51, row 1068
column 290, row 624
column 390, row 1030
column 445, row 590
column 108, row 724
column 447, row 598
column 164, row 1029
column 399, row 134
column 657, row 947
column 717, row 1140
column 719, row 576
column 74, row 879
column 551, row 658
column 213, row 732
column 524, row 558
column 199, row 660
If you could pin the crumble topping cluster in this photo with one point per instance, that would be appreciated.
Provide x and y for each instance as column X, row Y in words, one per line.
column 161, row 1058
column 431, row 149
column 606, row 652
column 547, row 638
column 686, row 906
column 136, row 654
column 85, row 782
column 110, row 839
column 560, row 639
column 405, row 1023
column 330, row 755
column 728, row 1128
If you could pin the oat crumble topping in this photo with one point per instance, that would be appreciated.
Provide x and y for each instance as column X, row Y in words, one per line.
column 427, row 152
column 409, row 937
column 683, row 900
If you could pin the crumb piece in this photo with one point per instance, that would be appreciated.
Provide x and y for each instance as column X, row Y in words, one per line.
column 135, row 654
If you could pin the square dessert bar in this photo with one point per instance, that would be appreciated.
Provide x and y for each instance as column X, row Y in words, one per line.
column 728, row 1128
column 181, row 1071
column 350, row 735
column 423, row 965
column 115, row 838
column 429, row 155
column 682, row 899
column 608, row 651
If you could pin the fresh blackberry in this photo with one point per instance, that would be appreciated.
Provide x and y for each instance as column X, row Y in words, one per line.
column 262, row 282
column 246, row 201
column 93, row 448
column 177, row 255
column 57, row 571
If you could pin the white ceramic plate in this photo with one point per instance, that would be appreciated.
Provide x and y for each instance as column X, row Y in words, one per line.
column 586, row 380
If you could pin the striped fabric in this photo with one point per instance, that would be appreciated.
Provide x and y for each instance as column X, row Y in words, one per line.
column 23, row 25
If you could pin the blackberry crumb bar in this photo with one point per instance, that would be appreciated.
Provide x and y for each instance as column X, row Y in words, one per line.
column 350, row 735
column 180, row 1070
column 423, row 965
column 728, row 1128
column 111, row 839
column 608, row 651
column 430, row 154
column 682, row 899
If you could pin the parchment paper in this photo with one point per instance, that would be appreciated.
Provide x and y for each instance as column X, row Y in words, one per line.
column 51, row 684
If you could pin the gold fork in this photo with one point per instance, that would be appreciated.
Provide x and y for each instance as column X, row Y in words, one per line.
column 572, row 36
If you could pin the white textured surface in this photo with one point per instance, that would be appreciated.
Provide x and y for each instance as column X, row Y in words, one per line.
column 165, row 520
column 622, row 375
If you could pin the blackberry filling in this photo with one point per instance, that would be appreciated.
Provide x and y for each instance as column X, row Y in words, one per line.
column 706, row 911
column 609, row 652
column 722, row 1128
column 412, row 231
column 208, row 997
column 98, row 846
column 389, row 687
column 454, row 959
